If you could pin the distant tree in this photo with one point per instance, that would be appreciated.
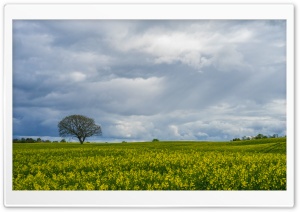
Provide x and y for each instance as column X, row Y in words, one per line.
column 38, row 140
column 124, row 142
column 15, row 140
column 236, row 139
column 155, row 140
column 63, row 141
column 247, row 137
column 79, row 126
column 30, row 140
column 261, row 136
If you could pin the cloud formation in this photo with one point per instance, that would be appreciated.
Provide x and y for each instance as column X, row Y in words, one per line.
column 171, row 80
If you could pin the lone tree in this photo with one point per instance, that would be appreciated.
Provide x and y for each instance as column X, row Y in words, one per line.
column 79, row 126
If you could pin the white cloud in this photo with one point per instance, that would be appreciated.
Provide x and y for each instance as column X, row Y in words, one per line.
column 77, row 76
column 174, row 131
column 123, row 94
column 192, row 46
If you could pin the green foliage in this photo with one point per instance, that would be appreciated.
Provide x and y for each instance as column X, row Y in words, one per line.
column 25, row 140
column 155, row 140
column 261, row 136
column 241, row 165
column 63, row 141
column 78, row 126
column 236, row 139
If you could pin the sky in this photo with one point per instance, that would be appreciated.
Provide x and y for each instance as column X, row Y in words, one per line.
column 211, row 80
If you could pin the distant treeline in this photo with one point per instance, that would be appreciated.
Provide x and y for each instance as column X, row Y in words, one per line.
column 38, row 140
column 259, row 136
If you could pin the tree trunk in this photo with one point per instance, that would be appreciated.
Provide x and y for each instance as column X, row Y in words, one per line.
column 81, row 141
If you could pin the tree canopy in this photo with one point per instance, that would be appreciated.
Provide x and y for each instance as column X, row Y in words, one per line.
column 78, row 126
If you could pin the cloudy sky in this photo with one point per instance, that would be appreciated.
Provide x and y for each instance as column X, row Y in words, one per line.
column 145, row 79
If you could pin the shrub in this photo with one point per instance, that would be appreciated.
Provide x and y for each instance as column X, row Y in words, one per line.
column 63, row 141
column 236, row 139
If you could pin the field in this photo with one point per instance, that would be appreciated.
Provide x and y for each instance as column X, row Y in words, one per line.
column 243, row 165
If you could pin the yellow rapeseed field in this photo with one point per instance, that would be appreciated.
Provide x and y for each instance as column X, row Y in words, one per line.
column 245, row 165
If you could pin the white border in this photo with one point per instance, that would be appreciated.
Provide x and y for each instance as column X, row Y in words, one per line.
column 147, row 198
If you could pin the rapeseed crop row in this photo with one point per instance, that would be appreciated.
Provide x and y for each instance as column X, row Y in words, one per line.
column 148, row 166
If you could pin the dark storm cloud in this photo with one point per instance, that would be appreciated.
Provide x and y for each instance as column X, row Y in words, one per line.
column 200, row 80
